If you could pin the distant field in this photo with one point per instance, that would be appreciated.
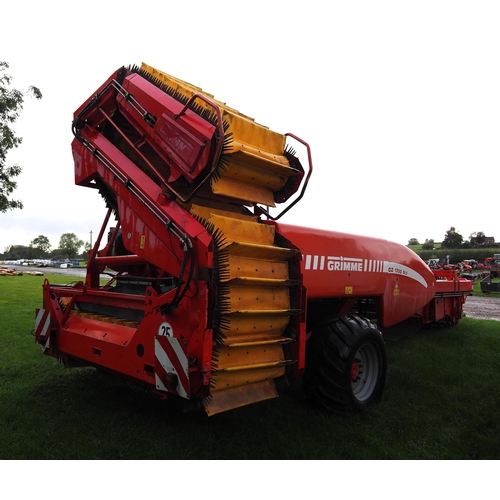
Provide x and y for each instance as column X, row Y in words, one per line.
column 418, row 248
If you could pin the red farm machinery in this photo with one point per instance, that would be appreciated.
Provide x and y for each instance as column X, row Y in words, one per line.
column 209, row 298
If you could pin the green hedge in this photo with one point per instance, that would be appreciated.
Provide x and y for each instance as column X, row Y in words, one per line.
column 458, row 254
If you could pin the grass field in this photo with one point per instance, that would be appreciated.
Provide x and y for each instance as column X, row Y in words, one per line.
column 441, row 402
column 418, row 248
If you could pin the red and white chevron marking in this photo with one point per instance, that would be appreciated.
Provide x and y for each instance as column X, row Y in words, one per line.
column 42, row 324
column 171, row 358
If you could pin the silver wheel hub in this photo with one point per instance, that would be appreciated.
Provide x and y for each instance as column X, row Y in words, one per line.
column 364, row 372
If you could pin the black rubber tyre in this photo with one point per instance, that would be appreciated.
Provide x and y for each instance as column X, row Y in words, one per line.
column 346, row 364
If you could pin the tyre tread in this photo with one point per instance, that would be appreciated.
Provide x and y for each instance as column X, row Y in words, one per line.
column 327, row 378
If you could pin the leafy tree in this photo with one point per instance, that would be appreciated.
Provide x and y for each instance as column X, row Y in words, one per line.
column 477, row 238
column 16, row 252
column 452, row 239
column 428, row 245
column 413, row 241
column 480, row 237
column 42, row 244
column 69, row 244
column 11, row 105
column 86, row 250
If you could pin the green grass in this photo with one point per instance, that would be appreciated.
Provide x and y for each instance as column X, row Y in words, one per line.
column 418, row 248
column 441, row 402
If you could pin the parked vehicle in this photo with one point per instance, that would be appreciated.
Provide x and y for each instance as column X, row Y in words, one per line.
column 493, row 265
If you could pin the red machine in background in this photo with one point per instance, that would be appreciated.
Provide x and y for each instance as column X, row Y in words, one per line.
column 492, row 264
column 209, row 298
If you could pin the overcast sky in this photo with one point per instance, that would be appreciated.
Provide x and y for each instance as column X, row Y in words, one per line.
column 399, row 102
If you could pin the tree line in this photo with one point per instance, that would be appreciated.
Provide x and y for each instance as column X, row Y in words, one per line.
column 40, row 248
column 453, row 239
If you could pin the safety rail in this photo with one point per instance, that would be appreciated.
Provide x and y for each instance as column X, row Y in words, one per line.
column 305, row 182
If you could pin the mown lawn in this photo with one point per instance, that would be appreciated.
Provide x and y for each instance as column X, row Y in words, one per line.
column 441, row 402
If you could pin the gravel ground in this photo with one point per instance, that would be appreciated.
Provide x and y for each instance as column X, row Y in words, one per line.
column 482, row 307
column 80, row 272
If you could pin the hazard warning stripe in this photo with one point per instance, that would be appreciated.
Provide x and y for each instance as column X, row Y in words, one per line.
column 171, row 358
column 42, row 324
column 180, row 364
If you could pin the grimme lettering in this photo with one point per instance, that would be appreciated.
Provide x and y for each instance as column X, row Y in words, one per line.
column 332, row 263
column 345, row 265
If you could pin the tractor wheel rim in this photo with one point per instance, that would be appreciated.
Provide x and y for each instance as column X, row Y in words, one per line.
column 364, row 372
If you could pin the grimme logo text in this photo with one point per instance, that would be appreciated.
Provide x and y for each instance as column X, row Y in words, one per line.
column 331, row 263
